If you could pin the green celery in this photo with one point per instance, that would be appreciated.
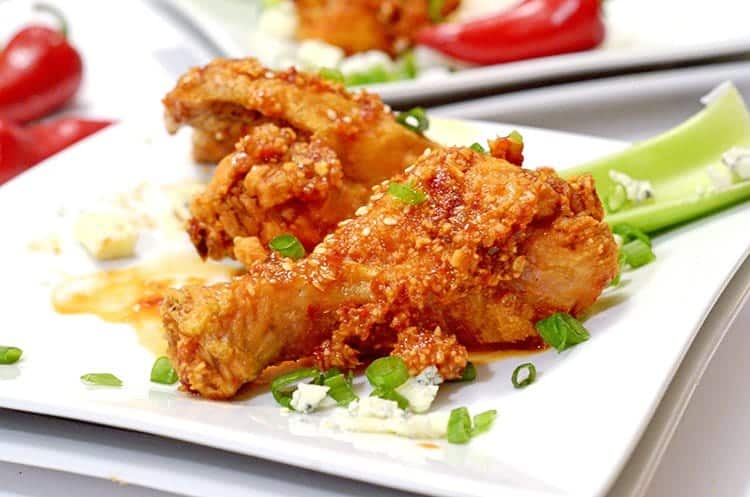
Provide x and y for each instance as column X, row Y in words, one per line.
column 676, row 163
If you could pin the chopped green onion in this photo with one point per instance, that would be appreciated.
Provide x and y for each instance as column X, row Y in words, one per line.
column 562, row 331
column 459, row 426
column 340, row 389
column 102, row 379
column 477, row 147
column 324, row 375
column 377, row 74
column 288, row 246
column 617, row 199
column 163, row 372
column 435, row 10
column 637, row 253
column 10, row 355
column 483, row 422
column 515, row 136
column 469, row 373
column 406, row 67
column 415, row 119
column 390, row 394
column 283, row 386
column 628, row 233
column 331, row 74
column 387, row 372
column 530, row 375
column 406, row 193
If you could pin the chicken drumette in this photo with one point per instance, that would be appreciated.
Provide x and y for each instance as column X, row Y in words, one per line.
column 492, row 249
column 298, row 153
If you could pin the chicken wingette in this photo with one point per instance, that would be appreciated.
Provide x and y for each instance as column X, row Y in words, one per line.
column 298, row 153
column 492, row 249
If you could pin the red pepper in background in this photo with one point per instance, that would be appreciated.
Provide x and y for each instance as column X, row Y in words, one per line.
column 39, row 72
column 21, row 148
column 533, row 28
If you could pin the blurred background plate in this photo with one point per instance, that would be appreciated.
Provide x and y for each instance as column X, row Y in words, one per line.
column 641, row 35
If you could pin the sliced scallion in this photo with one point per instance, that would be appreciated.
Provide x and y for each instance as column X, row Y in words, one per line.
column 562, row 331
column 390, row 394
column 617, row 198
column 477, row 147
column 283, row 386
column 407, row 193
column 483, row 422
column 414, row 119
column 163, row 372
column 515, row 136
column 530, row 375
column 387, row 372
column 637, row 253
column 340, row 389
column 459, row 426
column 288, row 246
column 469, row 373
column 101, row 379
column 10, row 355
column 628, row 232
column 331, row 74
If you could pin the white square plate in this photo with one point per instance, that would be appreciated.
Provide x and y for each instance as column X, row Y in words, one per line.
column 568, row 434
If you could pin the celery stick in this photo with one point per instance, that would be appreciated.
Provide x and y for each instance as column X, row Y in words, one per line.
column 676, row 163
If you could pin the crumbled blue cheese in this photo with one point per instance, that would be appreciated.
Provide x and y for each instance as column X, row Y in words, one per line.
column 279, row 20
column 737, row 159
column 635, row 190
column 365, row 61
column 422, row 389
column 721, row 177
column 375, row 415
column 106, row 235
column 316, row 54
column 308, row 397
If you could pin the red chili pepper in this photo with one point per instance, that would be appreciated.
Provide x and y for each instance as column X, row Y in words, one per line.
column 39, row 72
column 533, row 28
column 21, row 148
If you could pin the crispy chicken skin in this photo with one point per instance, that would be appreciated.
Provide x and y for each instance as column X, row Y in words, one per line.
column 493, row 249
column 298, row 154
column 387, row 25
column 225, row 99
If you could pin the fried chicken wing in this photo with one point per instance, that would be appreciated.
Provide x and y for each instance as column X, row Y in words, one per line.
column 298, row 154
column 387, row 25
column 492, row 249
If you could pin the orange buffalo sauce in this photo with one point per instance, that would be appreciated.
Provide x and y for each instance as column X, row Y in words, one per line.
column 134, row 294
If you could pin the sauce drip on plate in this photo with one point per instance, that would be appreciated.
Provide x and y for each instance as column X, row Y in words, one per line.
column 133, row 295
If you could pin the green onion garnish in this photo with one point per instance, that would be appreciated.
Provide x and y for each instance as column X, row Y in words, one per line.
column 407, row 66
column 435, row 10
column 515, row 136
column 10, row 355
column 414, row 119
column 331, row 74
column 377, row 74
column 617, row 199
column 324, row 375
column 477, row 147
column 637, row 253
column 469, row 373
column 163, row 372
column 288, row 246
column 387, row 372
column 483, row 422
column 283, row 386
column 459, row 426
column 406, row 193
column 340, row 389
column 562, row 331
column 530, row 375
column 101, row 379
column 390, row 394
column 628, row 232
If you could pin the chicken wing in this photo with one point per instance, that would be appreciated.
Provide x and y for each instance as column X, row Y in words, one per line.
column 298, row 154
column 386, row 25
column 491, row 250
